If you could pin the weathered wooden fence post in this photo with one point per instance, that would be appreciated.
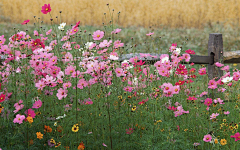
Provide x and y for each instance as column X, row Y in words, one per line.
column 215, row 50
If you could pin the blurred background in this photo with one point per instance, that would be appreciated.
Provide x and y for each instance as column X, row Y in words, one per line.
column 171, row 13
column 186, row 22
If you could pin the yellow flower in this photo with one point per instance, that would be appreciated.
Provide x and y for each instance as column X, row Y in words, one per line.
column 75, row 128
column 224, row 120
column 39, row 135
column 231, row 127
column 234, row 65
column 236, row 126
column 185, row 130
column 134, row 108
column 223, row 142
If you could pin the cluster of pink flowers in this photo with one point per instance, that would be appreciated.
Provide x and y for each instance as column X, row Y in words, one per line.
column 169, row 89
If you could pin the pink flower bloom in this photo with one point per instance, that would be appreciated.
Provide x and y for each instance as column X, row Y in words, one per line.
column 212, row 84
column 214, row 115
column 190, row 51
column 105, row 43
column 2, row 40
column 219, row 64
column 30, row 113
column 208, row 102
column 104, row 144
column 115, row 31
column 149, row 34
column 207, row 138
column 236, row 136
column 129, row 131
column 19, row 119
column 49, row 32
column 37, row 104
column 25, row 22
column 46, row 8
column 118, row 44
column 97, row 35
column 191, row 98
column 61, row 93
column 225, row 68
column 226, row 112
column 202, row 71
column 40, row 85
column 128, row 89
column 186, row 57
column 82, row 83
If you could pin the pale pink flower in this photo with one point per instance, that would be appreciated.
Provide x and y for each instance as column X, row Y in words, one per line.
column 214, row 115
column 97, row 35
column 104, row 144
column 61, row 93
column 19, row 119
column 207, row 138
column 150, row 33
column 226, row 112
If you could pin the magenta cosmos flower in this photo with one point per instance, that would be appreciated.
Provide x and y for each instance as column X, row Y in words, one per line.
column 46, row 8
column 19, row 119
column 25, row 22
column 97, row 35
column 236, row 136
column 207, row 138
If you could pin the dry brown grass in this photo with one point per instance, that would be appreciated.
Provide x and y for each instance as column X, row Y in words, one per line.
column 171, row 13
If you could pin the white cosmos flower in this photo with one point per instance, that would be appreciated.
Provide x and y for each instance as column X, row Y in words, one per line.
column 112, row 57
column 62, row 25
column 178, row 50
column 88, row 44
column 164, row 59
column 59, row 117
column 227, row 79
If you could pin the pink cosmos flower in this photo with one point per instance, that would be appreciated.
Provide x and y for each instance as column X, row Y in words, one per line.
column 208, row 102
column 82, row 83
column 190, row 51
column 129, row 131
column 214, row 115
column 104, row 144
column 207, row 138
column 62, row 93
column 202, row 71
column 97, row 35
column 25, row 22
column 128, row 89
column 46, row 8
column 2, row 40
column 150, row 33
column 118, row 44
column 49, row 32
column 37, row 104
column 226, row 112
column 236, row 136
column 219, row 64
column 225, row 68
column 19, row 119
column 191, row 98
column 115, row 31
column 30, row 113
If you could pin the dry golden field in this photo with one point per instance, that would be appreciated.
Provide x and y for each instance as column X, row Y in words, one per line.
column 170, row 13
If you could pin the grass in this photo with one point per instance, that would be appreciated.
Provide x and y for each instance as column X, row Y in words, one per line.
column 136, row 40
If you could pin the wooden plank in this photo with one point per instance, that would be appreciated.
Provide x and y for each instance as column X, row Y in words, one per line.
column 232, row 57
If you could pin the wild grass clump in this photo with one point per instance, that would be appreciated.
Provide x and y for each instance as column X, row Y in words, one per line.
column 63, row 88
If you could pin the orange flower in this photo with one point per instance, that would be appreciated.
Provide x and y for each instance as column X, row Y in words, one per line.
column 47, row 129
column 30, row 142
column 81, row 146
column 1, row 108
column 59, row 128
column 30, row 119
column 39, row 135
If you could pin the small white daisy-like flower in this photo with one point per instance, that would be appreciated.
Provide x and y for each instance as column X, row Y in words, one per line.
column 227, row 79
column 62, row 25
